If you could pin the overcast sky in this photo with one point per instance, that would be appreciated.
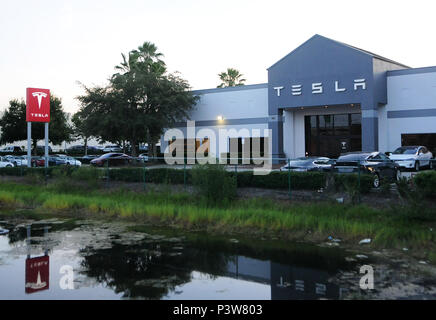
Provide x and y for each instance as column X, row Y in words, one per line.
column 56, row 43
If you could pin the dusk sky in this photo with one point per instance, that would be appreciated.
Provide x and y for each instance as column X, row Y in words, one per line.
column 55, row 44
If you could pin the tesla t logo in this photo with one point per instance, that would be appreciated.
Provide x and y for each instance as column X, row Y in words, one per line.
column 39, row 95
column 38, row 105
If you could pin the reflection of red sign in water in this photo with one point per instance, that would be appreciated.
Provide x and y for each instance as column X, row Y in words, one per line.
column 38, row 105
column 37, row 274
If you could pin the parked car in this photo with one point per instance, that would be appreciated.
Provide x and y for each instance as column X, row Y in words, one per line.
column 11, row 149
column 88, row 158
column 17, row 160
column 374, row 163
column 113, row 148
column 309, row 164
column 112, row 158
column 75, row 149
column 5, row 163
column 37, row 161
column 56, row 161
column 41, row 150
column 412, row 157
column 143, row 157
column 69, row 161
column 81, row 149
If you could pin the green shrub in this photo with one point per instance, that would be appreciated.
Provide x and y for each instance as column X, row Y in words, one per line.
column 87, row 174
column 280, row 180
column 62, row 171
column 214, row 183
column 404, row 188
column 350, row 182
column 426, row 183
column 125, row 174
column 167, row 175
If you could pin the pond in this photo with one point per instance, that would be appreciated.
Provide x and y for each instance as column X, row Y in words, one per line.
column 87, row 259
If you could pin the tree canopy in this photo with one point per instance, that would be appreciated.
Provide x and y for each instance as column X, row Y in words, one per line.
column 231, row 78
column 141, row 99
column 14, row 126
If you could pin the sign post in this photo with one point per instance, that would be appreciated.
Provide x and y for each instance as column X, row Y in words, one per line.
column 29, row 144
column 37, row 110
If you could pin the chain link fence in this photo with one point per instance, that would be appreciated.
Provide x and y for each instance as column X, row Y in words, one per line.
column 356, row 177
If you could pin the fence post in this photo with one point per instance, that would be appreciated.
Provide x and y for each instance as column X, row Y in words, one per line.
column 236, row 174
column 289, row 179
column 145, row 172
column 107, row 172
column 184, row 174
column 358, row 181
column 45, row 170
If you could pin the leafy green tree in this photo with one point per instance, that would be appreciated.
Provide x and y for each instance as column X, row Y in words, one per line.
column 80, row 129
column 140, row 101
column 14, row 126
column 231, row 78
column 101, row 113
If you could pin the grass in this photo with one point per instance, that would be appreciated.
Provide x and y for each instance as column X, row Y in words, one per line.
column 388, row 227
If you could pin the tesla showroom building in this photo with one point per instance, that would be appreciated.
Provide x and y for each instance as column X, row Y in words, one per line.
column 325, row 98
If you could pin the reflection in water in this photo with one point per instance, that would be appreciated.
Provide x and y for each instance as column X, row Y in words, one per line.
column 110, row 262
column 154, row 269
column 37, row 268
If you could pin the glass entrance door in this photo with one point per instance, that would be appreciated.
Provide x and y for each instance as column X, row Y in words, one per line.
column 332, row 134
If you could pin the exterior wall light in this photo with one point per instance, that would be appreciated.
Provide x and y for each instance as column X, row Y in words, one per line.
column 220, row 118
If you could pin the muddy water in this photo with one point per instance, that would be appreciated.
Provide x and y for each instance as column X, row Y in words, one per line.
column 78, row 259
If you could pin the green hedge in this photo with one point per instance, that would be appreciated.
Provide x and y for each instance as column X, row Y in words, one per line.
column 161, row 175
column 426, row 183
column 273, row 180
column 279, row 180
column 22, row 171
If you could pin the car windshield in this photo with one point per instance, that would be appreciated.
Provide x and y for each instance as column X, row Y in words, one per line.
column 406, row 150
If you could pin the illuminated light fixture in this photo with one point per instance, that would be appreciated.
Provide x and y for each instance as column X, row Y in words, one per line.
column 352, row 104
column 326, row 107
column 220, row 118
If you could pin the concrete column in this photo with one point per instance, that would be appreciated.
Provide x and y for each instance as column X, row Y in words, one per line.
column 275, row 124
column 369, row 130
column 288, row 134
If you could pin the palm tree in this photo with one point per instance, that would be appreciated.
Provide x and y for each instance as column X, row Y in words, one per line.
column 231, row 78
column 146, row 55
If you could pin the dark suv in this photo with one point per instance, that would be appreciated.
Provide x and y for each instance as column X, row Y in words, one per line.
column 374, row 163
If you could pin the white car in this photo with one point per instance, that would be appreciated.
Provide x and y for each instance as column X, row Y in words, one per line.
column 17, row 160
column 5, row 163
column 70, row 160
column 412, row 157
